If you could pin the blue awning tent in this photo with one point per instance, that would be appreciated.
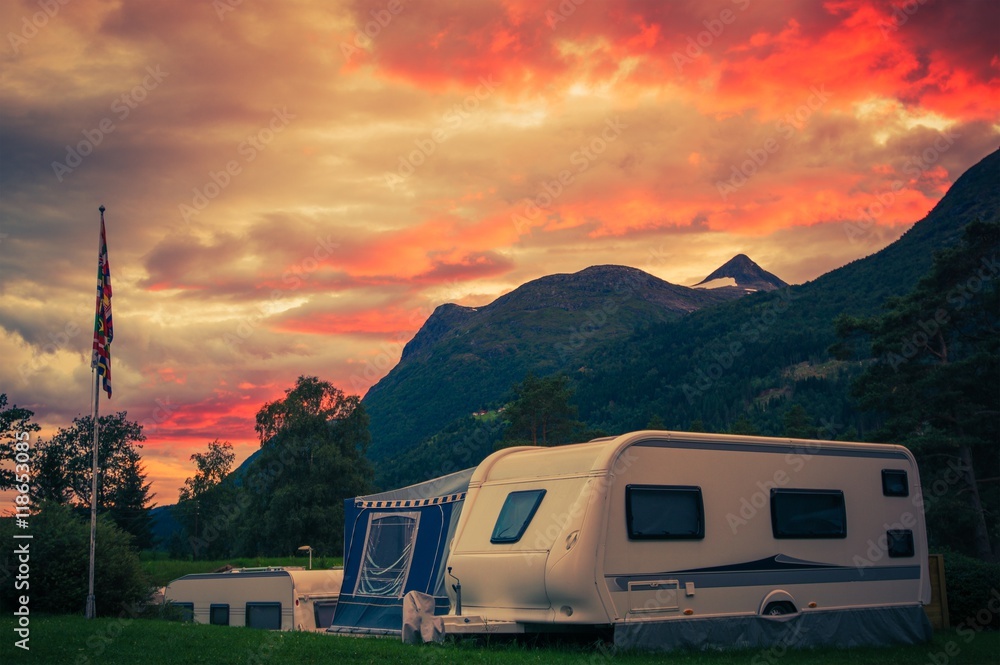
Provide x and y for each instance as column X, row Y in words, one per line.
column 396, row 542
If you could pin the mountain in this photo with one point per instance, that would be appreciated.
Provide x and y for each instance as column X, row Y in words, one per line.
column 740, row 271
column 737, row 358
column 757, row 354
column 465, row 358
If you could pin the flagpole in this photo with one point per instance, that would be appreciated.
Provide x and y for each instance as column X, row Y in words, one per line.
column 91, row 601
column 91, row 607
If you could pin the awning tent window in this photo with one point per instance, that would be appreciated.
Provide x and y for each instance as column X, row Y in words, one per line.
column 387, row 554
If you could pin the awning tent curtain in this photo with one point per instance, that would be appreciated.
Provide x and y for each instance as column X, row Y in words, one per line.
column 388, row 553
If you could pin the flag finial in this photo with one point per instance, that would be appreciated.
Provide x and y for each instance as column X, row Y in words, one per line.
column 102, row 208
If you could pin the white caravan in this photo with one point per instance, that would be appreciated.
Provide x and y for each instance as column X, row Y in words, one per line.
column 685, row 539
column 272, row 598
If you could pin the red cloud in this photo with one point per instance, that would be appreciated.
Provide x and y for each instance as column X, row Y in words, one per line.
column 766, row 57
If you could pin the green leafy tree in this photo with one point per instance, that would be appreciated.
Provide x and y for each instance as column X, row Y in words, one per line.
column 541, row 413
column 60, row 558
column 935, row 374
column 206, row 509
column 213, row 467
column 15, row 422
column 63, row 469
column 312, row 457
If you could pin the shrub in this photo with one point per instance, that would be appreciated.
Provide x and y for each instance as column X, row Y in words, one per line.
column 59, row 557
column 973, row 591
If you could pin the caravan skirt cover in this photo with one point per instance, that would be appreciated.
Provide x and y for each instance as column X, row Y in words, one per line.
column 841, row 628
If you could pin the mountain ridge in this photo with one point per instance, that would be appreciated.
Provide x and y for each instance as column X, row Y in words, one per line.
column 542, row 325
column 630, row 378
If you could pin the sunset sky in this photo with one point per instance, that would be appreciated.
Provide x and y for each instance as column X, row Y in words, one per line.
column 293, row 187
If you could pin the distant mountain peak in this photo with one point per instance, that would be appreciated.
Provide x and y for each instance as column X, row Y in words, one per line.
column 741, row 272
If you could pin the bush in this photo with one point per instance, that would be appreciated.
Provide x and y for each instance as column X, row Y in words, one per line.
column 59, row 552
column 973, row 591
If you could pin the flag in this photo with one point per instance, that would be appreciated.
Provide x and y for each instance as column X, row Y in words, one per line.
column 104, row 330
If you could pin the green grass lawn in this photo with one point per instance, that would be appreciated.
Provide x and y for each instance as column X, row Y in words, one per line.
column 162, row 571
column 72, row 640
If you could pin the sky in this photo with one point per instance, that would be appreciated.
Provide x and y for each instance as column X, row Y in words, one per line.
column 293, row 187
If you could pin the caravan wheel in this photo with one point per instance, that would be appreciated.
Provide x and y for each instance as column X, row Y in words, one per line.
column 779, row 608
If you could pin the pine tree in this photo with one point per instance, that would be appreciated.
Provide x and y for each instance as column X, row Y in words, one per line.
column 935, row 378
column 65, row 465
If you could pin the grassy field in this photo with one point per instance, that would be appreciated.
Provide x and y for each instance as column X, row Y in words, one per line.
column 76, row 641
column 162, row 570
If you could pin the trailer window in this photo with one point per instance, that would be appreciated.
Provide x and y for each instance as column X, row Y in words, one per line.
column 657, row 512
column 264, row 615
column 388, row 552
column 894, row 483
column 324, row 611
column 187, row 610
column 899, row 543
column 798, row 513
column 515, row 515
column 218, row 615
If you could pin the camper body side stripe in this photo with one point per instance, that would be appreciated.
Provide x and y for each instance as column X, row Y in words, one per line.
column 826, row 575
column 787, row 449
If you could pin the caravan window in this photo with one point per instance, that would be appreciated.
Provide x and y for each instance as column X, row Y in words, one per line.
column 218, row 615
column 894, row 482
column 899, row 542
column 515, row 515
column 187, row 610
column 797, row 513
column 324, row 610
column 264, row 615
column 659, row 512
column 387, row 555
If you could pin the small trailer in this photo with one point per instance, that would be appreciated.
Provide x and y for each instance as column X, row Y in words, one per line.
column 273, row 598
column 677, row 539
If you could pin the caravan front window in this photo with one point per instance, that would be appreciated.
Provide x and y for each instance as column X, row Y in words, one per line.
column 388, row 553
column 515, row 515
column 656, row 512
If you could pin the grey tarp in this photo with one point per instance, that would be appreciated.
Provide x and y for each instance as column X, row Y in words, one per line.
column 839, row 628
